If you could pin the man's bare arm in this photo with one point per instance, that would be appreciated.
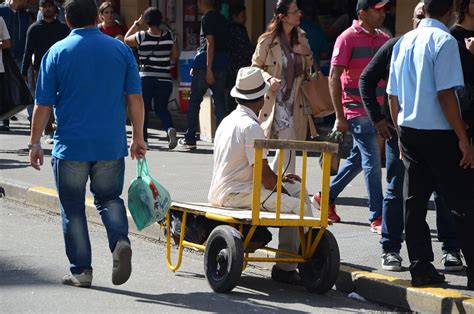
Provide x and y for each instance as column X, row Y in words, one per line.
column 211, row 47
column 137, row 115
column 41, row 116
column 335, row 89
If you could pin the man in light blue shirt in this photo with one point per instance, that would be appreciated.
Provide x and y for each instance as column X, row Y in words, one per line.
column 425, row 71
column 84, row 79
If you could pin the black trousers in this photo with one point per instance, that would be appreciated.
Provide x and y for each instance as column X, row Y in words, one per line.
column 431, row 159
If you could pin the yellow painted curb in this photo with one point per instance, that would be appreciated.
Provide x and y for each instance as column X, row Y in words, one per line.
column 53, row 192
column 438, row 292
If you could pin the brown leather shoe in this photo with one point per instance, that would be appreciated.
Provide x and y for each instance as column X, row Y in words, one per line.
column 291, row 277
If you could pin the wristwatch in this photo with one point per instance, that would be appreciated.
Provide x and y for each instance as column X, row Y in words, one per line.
column 37, row 145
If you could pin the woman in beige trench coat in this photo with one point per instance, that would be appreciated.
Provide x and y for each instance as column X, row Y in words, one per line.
column 284, row 55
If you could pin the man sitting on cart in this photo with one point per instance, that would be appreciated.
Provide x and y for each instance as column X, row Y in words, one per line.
column 232, row 179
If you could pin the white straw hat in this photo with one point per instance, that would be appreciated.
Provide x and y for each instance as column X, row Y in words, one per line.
column 249, row 84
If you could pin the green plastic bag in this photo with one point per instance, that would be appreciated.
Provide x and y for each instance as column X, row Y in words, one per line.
column 148, row 200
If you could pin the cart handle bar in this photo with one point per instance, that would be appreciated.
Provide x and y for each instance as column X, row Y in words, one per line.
column 296, row 145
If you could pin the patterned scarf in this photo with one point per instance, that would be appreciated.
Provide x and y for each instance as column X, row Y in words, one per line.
column 294, row 67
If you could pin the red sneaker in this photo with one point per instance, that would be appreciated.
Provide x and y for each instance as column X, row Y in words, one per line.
column 376, row 225
column 332, row 215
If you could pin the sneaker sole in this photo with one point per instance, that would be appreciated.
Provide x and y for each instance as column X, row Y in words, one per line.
column 392, row 268
column 81, row 285
column 173, row 139
column 122, row 273
column 373, row 230
column 68, row 282
column 454, row 268
column 187, row 147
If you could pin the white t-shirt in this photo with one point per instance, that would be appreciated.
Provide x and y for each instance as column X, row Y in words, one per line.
column 4, row 35
column 234, row 154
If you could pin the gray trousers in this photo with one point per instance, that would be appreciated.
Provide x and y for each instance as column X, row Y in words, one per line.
column 288, row 237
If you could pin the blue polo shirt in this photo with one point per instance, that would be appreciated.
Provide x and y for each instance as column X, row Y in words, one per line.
column 85, row 77
column 424, row 62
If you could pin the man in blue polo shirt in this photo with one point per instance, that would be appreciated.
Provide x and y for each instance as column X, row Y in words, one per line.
column 84, row 79
column 425, row 71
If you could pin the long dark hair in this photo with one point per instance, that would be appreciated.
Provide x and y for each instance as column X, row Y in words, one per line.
column 275, row 27
column 463, row 7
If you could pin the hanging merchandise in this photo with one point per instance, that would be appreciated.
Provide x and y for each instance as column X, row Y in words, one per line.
column 171, row 10
column 190, row 10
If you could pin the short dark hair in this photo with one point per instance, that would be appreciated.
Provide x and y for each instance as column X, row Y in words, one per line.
column 437, row 8
column 81, row 13
column 235, row 10
column 152, row 16
column 462, row 9
column 244, row 102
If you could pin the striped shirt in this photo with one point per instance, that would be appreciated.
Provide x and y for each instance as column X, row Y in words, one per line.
column 353, row 50
column 157, row 65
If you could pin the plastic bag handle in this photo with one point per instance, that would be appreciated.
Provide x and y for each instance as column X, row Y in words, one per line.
column 142, row 167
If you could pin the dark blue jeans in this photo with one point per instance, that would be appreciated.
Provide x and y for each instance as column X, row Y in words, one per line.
column 199, row 87
column 392, row 211
column 365, row 155
column 106, row 184
column 159, row 92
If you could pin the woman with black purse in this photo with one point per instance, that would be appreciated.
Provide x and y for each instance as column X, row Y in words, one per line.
column 156, row 49
column 14, row 93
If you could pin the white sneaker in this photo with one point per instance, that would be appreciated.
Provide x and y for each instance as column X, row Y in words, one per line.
column 83, row 280
column 452, row 261
column 122, row 262
column 48, row 139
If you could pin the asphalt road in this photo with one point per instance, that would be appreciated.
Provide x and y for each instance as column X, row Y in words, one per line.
column 32, row 262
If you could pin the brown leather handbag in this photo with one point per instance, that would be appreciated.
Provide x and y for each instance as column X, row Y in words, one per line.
column 316, row 91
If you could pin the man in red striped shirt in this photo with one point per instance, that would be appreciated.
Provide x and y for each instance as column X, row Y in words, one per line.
column 353, row 50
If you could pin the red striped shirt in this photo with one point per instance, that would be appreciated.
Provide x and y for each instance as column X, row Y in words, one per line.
column 353, row 50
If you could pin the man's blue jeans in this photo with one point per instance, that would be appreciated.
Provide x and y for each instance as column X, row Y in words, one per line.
column 364, row 155
column 392, row 211
column 199, row 87
column 106, row 184
column 393, row 214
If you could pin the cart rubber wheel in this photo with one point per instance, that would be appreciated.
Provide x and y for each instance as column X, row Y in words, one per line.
column 319, row 274
column 223, row 258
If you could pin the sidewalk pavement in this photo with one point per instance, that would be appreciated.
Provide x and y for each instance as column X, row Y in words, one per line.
column 187, row 176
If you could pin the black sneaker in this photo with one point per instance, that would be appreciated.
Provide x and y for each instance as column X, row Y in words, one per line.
column 452, row 261
column 392, row 261
column 425, row 274
column 186, row 144
column 291, row 277
column 172, row 139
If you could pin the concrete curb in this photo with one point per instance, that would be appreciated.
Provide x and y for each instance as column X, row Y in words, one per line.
column 372, row 286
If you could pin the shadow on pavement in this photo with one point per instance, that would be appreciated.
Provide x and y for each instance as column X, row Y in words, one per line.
column 245, row 297
column 12, row 164
column 354, row 223
column 24, row 151
column 200, row 301
column 362, row 267
column 352, row 201
column 13, row 273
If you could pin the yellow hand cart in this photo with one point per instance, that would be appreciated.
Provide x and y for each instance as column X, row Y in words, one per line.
column 227, row 250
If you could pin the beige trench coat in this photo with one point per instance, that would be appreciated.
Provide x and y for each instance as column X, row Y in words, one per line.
column 268, row 57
